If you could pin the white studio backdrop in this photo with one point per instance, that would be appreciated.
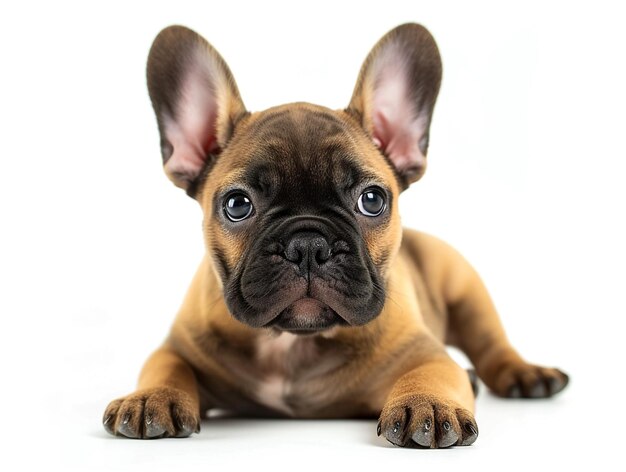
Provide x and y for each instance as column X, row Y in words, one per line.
column 526, row 178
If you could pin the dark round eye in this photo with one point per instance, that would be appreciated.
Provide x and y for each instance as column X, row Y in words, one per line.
column 237, row 207
column 371, row 202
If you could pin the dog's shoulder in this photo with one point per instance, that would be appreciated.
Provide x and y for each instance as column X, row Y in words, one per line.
column 445, row 274
column 430, row 255
column 434, row 266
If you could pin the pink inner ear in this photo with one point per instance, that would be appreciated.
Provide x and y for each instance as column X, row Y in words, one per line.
column 397, row 128
column 192, row 132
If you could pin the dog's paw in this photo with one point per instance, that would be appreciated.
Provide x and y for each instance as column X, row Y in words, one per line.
column 159, row 412
column 426, row 421
column 521, row 380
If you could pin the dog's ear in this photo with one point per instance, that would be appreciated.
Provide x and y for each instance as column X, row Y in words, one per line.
column 395, row 95
column 196, row 101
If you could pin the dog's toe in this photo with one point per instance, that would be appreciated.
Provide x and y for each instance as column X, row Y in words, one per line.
column 424, row 433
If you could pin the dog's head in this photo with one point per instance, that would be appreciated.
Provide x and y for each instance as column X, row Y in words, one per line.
column 300, row 202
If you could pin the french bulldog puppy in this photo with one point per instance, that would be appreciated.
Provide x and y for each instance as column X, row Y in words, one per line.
column 312, row 301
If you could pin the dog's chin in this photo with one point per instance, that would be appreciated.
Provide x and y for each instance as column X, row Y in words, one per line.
column 307, row 316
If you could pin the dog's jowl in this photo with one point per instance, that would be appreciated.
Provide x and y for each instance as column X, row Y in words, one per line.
column 311, row 300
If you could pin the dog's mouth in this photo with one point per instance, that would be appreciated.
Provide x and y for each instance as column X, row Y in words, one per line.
column 306, row 316
column 309, row 289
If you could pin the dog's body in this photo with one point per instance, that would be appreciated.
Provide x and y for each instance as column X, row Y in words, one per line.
column 339, row 373
column 311, row 301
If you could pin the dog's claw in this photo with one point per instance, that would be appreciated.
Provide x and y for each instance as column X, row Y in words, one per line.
column 514, row 392
column 125, row 429
column 423, row 435
column 449, row 436
column 154, row 430
column 538, row 390
column 472, row 434
column 555, row 384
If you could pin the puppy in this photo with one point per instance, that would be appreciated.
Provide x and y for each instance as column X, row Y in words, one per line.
column 311, row 300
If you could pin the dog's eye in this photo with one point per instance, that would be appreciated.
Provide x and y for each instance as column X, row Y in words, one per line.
column 371, row 202
column 237, row 207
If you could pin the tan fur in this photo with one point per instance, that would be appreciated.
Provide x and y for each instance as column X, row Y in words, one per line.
column 398, row 353
column 395, row 367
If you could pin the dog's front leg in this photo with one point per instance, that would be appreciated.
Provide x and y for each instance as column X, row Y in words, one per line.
column 166, row 403
column 430, row 406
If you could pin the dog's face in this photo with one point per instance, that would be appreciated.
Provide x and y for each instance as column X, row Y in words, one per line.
column 302, row 220
column 300, row 202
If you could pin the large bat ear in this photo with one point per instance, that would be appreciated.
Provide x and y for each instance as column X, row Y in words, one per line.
column 395, row 95
column 196, row 101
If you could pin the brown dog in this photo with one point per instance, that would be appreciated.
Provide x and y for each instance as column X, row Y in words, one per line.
column 312, row 301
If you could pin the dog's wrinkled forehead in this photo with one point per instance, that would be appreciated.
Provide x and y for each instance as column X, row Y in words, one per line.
column 300, row 149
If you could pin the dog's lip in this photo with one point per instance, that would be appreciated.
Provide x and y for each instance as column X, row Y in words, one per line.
column 305, row 316
column 308, row 306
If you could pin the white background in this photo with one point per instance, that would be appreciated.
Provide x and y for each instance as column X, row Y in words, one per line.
column 526, row 178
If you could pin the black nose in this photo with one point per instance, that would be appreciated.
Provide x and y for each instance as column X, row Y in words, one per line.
column 307, row 250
